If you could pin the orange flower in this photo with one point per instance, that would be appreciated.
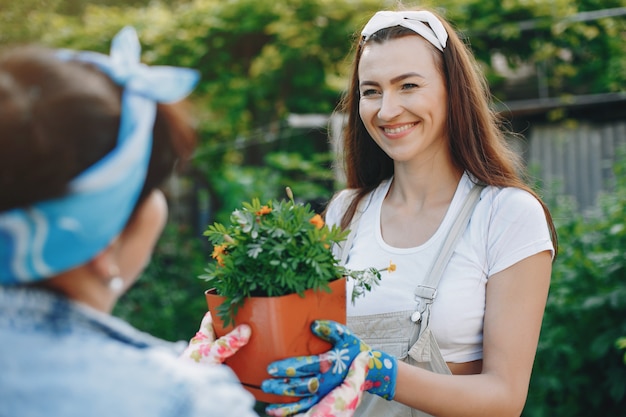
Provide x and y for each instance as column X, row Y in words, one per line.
column 218, row 250
column 264, row 210
column 317, row 221
column 218, row 253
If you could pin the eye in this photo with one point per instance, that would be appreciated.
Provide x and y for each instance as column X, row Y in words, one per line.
column 409, row 86
column 369, row 92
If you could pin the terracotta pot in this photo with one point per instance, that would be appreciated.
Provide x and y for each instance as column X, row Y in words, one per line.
column 280, row 329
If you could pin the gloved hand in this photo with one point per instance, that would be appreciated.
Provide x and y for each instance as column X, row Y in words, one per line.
column 312, row 377
column 203, row 348
column 343, row 400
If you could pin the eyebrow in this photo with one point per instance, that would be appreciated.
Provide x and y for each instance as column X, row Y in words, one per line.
column 397, row 79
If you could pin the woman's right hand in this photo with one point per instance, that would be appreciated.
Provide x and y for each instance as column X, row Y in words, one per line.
column 203, row 348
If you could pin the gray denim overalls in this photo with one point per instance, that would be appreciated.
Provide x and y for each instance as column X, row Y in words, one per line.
column 406, row 334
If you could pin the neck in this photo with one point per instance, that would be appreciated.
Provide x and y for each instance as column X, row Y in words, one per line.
column 81, row 286
column 424, row 189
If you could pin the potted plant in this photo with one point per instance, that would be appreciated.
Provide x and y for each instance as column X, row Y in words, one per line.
column 270, row 257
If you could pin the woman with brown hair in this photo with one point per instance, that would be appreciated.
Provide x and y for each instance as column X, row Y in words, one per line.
column 433, row 187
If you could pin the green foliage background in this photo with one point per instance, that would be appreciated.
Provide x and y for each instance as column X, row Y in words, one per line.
column 579, row 370
column 263, row 60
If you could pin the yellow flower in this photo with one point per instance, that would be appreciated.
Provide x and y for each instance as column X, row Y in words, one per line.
column 391, row 267
column 317, row 221
column 264, row 210
column 375, row 362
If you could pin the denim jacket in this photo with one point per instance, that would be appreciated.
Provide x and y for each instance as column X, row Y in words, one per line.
column 59, row 358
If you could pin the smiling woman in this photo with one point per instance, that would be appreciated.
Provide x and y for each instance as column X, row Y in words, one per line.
column 404, row 105
column 433, row 185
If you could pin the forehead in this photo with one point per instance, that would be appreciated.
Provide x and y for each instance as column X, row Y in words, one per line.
column 397, row 56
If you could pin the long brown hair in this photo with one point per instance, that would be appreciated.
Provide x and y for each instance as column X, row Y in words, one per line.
column 476, row 137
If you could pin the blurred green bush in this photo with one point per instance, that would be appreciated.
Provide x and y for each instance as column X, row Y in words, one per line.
column 579, row 368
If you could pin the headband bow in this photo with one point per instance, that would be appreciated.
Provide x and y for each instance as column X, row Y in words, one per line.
column 52, row 236
column 435, row 34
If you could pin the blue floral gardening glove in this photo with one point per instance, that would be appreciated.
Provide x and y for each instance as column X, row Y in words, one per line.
column 312, row 377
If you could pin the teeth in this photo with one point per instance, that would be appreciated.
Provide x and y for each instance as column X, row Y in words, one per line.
column 400, row 129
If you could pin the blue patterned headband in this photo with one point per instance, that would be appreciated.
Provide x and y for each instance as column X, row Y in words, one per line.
column 435, row 33
column 53, row 236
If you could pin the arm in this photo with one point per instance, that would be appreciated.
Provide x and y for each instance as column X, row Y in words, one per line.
column 516, row 299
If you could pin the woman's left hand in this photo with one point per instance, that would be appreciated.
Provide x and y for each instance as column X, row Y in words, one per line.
column 313, row 377
column 340, row 402
column 203, row 348
column 343, row 400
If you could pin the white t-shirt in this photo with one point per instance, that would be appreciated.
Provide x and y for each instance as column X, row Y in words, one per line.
column 507, row 225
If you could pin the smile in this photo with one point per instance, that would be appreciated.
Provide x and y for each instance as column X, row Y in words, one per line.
column 397, row 130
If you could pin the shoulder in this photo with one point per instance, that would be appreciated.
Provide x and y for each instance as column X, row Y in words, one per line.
column 342, row 199
column 338, row 205
column 137, row 380
column 500, row 204
column 512, row 224
column 512, row 203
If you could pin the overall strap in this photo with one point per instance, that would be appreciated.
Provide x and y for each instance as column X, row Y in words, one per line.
column 426, row 292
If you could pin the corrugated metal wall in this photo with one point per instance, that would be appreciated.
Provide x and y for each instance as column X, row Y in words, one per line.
column 575, row 160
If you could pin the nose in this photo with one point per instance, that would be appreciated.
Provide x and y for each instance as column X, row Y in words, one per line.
column 390, row 107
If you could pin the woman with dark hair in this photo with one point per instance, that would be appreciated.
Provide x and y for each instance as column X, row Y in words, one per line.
column 433, row 187
column 87, row 139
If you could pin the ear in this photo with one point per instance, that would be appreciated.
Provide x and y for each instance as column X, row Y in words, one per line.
column 104, row 264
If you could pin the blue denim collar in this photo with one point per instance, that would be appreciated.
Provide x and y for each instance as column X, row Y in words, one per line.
column 35, row 309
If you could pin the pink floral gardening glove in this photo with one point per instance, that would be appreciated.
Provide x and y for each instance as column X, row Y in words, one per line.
column 343, row 400
column 203, row 348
